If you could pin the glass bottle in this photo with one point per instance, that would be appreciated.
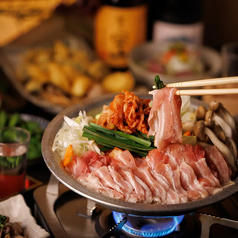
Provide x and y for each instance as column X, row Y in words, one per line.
column 177, row 20
column 120, row 25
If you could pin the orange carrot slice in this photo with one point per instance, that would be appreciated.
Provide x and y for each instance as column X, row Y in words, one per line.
column 68, row 155
column 187, row 133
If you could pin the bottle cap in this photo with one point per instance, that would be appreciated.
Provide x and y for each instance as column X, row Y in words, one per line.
column 123, row 3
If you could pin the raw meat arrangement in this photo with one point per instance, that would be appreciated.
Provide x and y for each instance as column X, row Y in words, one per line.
column 146, row 151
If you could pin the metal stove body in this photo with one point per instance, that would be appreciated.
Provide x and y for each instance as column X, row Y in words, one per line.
column 64, row 213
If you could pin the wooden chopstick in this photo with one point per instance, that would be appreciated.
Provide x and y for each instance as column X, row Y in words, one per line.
column 217, row 91
column 204, row 82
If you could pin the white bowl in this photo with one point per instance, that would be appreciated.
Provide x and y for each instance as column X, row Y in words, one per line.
column 149, row 50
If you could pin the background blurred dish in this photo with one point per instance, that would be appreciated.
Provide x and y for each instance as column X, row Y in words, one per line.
column 36, row 135
column 36, row 127
column 16, row 209
column 32, row 82
column 43, row 123
column 142, row 55
column 54, row 68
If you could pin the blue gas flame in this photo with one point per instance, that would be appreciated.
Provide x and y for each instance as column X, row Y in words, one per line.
column 148, row 226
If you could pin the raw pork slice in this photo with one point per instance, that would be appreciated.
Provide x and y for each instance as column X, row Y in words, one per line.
column 156, row 161
column 195, row 158
column 86, row 163
column 164, row 119
column 218, row 165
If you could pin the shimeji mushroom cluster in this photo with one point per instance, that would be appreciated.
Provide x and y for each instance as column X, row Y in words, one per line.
column 215, row 126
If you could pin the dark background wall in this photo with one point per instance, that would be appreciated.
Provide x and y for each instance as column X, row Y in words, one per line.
column 220, row 22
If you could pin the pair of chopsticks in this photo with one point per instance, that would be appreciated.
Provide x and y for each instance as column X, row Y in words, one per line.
column 206, row 82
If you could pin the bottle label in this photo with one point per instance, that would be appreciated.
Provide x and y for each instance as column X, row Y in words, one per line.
column 191, row 33
column 117, row 31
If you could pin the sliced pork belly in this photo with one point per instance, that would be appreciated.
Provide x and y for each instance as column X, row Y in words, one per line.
column 104, row 175
column 156, row 185
column 154, row 158
column 218, row 165
column 122, row 158
column 175, row 153
column 125, row 164
column 173, row 197
column 195, row 158
column 185, row 170
column 174, row 178
column 77, row 167
column 86, row 163
column 93, row 182
column 127, row 188
column 205, row 176
column 167, row 176
column 176, row 175
column 164, row 119
column 190, row 183
column 140, row 188
column 148, row 194
column 158, row 191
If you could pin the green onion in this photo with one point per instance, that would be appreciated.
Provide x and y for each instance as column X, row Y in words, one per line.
column 122, row 135
column 158, row 83
column 145, row 137
column 110, row 139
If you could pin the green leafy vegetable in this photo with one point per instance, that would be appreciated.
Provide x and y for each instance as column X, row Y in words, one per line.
column 10, row 162
column 3, row 118
column 3, row 220
column 109, row 139
column 34, row 128
column 158, row 83
column 145, row 137
column 14, row 119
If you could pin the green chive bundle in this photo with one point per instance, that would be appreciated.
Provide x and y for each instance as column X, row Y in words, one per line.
column 137, row 144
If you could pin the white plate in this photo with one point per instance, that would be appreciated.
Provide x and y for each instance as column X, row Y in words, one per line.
column 16, row 209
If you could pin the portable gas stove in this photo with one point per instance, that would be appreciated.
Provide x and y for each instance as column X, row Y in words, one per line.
column 82, row 212
column 64, row 213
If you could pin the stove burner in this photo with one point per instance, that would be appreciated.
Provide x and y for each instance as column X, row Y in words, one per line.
column 148, row 226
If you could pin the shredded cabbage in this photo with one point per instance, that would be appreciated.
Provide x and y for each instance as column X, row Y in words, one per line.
column 187, row 112
column 71, row 134
column 186, row 105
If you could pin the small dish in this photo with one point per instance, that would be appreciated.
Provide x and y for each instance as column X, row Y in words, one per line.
column 43, row 123
column 16, row 209
column 36, row 127
column 148, row 51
